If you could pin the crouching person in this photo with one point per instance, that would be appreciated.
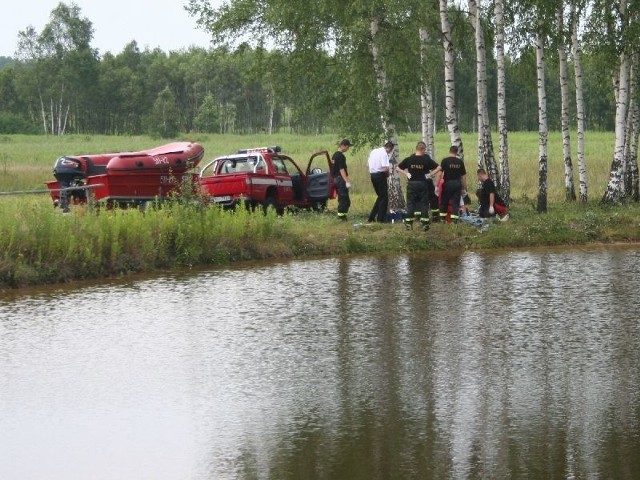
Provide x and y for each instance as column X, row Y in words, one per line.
column 491, row 204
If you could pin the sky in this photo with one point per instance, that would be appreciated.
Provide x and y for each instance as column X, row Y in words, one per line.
column 151, row 23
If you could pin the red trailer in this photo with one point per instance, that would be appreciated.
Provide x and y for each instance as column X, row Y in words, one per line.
column 125, row 178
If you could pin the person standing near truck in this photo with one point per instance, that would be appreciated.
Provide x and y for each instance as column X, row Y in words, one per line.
column 379, row 171
column 454, row 186
column 419, row 169
column 340, row 175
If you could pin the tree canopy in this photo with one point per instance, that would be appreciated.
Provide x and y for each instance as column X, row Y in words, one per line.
column 284, row 66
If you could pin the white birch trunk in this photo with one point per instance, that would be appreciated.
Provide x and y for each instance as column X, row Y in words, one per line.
column 542, row 125
column 426, row 97
column 486, row 157
column 449, row 79
column 570, row 191
column 51, row 113
column 427, row 120
column 272, row 108
column 396, row 198
column 64, row 123
column 631, row 140
column 505, row 182
column 473, row 19
column 615, row 187
column 43, row 113
column 633, row 155
column 59, row 115
column 580, row 114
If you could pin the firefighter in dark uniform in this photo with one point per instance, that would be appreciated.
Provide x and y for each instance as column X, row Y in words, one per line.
column 419, row 169
column 455, row 183
column 341, row 178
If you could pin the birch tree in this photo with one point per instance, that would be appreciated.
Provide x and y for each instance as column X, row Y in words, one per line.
column 57, row 56
column 615, row 188
column 505, row 182
column 576, row 51
column 631, row 138
column 570, row 191
column 449, row 78
column 615, row 192
column 427, row 118
column 486, row 157
column 634, row 180
column 543, row 131
column 396, row 198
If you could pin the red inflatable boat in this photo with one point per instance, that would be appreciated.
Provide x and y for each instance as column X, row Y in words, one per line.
column 126, row 177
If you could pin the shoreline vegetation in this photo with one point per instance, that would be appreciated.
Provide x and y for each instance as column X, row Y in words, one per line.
column 41, row 246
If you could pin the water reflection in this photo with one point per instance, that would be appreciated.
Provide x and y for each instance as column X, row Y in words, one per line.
column 474, row 365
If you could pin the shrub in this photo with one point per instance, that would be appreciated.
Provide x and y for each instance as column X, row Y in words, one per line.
column 11, row 123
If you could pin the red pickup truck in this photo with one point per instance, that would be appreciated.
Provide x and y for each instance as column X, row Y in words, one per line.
column 267, row 178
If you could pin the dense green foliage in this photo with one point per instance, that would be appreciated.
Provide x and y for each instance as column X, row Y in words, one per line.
column 60, row 84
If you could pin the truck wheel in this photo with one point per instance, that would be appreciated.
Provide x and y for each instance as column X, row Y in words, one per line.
column 269, row 204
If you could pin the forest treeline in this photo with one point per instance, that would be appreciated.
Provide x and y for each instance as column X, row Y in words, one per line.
column 59, row 83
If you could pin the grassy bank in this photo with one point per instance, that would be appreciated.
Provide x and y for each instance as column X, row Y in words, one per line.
column 39, row 245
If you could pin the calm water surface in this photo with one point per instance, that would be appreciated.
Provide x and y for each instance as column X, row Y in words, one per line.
column 474, row 365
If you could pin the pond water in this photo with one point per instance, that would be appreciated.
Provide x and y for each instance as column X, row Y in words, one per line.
column 515, row 364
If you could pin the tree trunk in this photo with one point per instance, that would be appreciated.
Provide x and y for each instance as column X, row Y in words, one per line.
column 542, row 126
column 570, row 191
column 486, row 157
column 396, row 198
column 51, row 115
column 629, row 133
column 505, row 182
column 426, row 96
column 64, row 122
column 615, row 187
column 43, row 113
column 449, row 79
column 633, row 155
column 580, row 115
column 272, row 108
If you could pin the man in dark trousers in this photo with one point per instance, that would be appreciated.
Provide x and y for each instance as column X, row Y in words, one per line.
column 455, row 183
column 341, row 178
column 419, row 169
column 491, row 204
column 379, row 170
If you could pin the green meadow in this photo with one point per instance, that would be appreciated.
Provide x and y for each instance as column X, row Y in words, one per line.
column 40, row 246
column 26, row 161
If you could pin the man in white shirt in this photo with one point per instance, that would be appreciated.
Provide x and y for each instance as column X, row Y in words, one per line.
column 379, row 171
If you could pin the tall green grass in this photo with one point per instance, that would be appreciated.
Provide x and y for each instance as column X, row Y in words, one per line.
column 40, row 245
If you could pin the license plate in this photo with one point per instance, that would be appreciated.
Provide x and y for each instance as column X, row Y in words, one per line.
column 224, row 198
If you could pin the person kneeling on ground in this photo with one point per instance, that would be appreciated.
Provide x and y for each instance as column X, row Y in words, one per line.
column 491, row 204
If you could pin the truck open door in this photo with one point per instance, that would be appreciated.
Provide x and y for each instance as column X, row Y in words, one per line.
column 319, row 180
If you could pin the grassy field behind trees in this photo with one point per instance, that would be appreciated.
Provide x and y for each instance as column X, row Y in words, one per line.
column 26, row 161
column 39, row 245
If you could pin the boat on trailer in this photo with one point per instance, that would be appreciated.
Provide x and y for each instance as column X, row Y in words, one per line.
column 125, row 178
